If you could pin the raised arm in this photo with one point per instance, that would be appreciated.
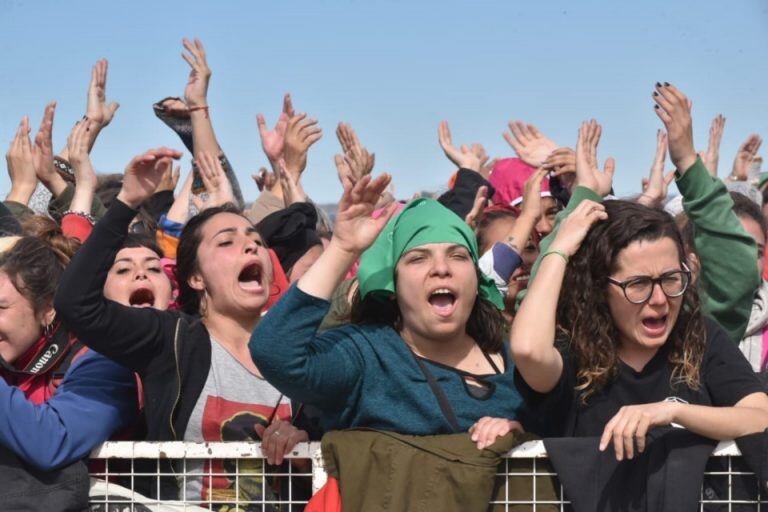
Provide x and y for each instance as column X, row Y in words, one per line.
column 196, row 98
column 712, row 156
column 530, row 145
column 728, row 283
column 355, row 160
column 655, row 187
column 21, row 166
column 43, row 154
column 744, row 156
column 85, row 177
column 320, row 369
column 591, row 184
column 533, row 333
column 130, row 336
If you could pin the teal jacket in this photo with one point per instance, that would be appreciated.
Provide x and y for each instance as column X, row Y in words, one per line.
column 729, row 276
column 365, row 376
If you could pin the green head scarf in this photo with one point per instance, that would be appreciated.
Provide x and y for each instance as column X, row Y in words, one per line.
column 424, row 221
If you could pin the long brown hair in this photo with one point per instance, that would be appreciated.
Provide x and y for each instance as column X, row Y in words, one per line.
column 583, row 316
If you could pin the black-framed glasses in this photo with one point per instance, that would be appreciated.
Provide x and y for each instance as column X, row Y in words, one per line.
column 638, row 290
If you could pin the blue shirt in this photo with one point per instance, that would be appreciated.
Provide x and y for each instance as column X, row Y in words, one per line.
column 96, row 398
column 365, row 375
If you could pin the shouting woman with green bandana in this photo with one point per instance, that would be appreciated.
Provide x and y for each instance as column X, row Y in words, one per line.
column 425, row 353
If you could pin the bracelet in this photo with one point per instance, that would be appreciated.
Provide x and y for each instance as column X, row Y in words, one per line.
column 86, row 216
column 64, row 168
column 201, row 107
column 559, row 253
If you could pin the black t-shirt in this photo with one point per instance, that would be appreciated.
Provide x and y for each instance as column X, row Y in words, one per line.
column 726, row 378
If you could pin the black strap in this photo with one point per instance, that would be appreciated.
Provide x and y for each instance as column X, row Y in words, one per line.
column 442, row 400
column 493, row 365
column 56, row 347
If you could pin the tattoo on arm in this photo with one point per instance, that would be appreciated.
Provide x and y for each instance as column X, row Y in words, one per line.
column 513, row 244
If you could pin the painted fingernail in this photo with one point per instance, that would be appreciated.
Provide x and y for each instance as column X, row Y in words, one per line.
column 658, row 84
column 656, row 107
column 666, row 84
column 655, row 93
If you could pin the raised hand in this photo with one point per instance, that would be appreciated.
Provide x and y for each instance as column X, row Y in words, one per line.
column 216, row 182
column 196, row 92
column 301, row 133
column 487, row 168
column 356, row 161
column 674, row 110
column 21, row 165
column 264, row 179
column 561, row 161
column 97, row 110
column 273, row 141
column 179, row 210
column 85, row 177
column 293, row 192
column 43, row 154
column 481, row 200
column 463, row 158
column 655, row 187
column 356, row 229
column 77, row 147
column 170, row 180
column 479, row 151
column 574, row 228
column 587, row 172
column 744, row 156
column 530, row 145
column 144, row 173
column 712, row 157
column 531, row 206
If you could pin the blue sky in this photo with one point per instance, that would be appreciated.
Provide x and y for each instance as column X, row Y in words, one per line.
column 393, row 69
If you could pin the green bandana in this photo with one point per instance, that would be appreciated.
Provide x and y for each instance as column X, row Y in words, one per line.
column 424, row 221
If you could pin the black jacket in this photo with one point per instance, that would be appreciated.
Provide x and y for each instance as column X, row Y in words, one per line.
column 667, row 477
column 170, row 350
column 461, row 198
column 24, row 488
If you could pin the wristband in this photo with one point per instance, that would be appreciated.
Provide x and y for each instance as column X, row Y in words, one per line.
column 201, row 107
column 559, row 253
column 64, row 168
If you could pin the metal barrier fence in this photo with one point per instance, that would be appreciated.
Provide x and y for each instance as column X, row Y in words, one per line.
column 231, row 477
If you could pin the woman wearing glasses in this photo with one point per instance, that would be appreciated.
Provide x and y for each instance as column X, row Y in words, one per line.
column 610, row 340
column 631, row 349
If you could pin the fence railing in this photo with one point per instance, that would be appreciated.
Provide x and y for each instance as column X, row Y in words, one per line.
column 234, row 477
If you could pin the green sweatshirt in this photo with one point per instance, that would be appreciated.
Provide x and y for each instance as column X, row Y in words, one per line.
column 728, row 254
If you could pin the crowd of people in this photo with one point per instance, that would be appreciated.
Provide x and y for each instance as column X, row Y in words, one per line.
column 526, row 298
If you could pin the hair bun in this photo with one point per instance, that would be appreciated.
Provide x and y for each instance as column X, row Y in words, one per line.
column 49, row 232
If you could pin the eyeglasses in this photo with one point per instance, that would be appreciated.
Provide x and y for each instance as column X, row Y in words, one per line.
column 638, row 290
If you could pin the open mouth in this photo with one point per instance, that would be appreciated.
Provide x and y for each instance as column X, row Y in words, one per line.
column 142, row 298
column 443, row 301
column 655, row 326
column 250, row 277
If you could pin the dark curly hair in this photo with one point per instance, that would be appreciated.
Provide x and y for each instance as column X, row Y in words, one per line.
column 583, row 316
